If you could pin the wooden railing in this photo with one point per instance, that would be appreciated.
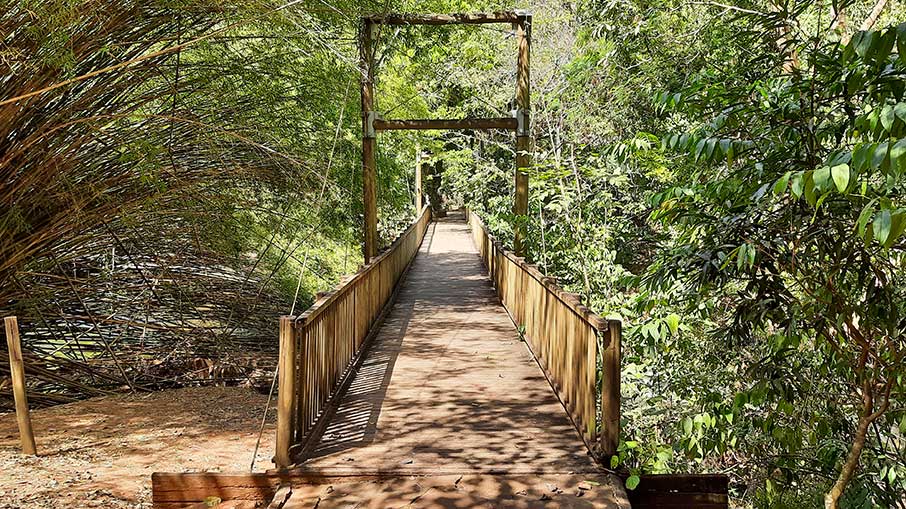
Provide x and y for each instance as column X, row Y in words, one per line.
column 318, row 347
column 571, row 343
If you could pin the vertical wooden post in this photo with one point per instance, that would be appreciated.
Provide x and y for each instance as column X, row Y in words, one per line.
column 523, row 130
column 418, row 179
column 286, row 369
column 369, row 141
column 610, row 390
column 17, row 372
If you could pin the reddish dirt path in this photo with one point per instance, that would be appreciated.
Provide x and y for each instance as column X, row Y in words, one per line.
column 101, row 452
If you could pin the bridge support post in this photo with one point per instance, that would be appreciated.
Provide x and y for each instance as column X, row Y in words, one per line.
column 286, row 392
column 610, row 390
column 369, row 142
column 523, row 28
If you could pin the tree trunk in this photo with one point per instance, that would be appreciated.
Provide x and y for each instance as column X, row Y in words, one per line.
column 832, row 498
column 873, row 17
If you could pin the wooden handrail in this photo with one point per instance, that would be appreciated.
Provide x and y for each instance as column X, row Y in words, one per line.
column 318, row 348
column 568, row 340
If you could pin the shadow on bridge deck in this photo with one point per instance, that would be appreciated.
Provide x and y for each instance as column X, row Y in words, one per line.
column 448, row 390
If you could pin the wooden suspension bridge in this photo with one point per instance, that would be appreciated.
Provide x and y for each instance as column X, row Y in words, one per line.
column 447, row 372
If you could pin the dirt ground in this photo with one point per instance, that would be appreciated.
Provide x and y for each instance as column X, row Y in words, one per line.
column 101, row 452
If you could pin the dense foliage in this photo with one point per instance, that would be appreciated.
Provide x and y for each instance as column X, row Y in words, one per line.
column 726, row 178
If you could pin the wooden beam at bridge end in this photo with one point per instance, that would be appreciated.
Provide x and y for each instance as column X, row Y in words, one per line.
column 286, row 371
column 610, row 390
column 369, row 142
column 523, row 26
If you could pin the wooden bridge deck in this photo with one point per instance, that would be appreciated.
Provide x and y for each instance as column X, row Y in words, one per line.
column 450, row 403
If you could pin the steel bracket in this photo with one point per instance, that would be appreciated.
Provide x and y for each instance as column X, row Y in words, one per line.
column 523, row 122
column 370, row 117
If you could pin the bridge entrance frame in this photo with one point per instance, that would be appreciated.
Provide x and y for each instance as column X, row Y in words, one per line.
column 372, row 123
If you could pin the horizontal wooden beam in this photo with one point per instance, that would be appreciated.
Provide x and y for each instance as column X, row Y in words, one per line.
column 463, row 123
column 447, row 19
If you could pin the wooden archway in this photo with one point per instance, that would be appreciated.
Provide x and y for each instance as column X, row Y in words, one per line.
column 519, row 121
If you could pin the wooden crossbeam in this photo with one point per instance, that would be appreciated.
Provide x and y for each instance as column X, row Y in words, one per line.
column 463, row 123
column 447, row 19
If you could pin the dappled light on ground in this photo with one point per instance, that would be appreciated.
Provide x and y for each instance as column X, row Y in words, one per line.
column 101, row 452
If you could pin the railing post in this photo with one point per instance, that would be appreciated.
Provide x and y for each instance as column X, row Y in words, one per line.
column 610, row 389
column 286, row 369
column 17, row 373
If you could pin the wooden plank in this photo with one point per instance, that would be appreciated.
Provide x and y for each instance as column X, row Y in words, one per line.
column 681, row 491
column 20, row 395
column 195, row 487
column 446, row 19
column 679, row 501
column 449, row 489
column 331, row 403
column 460, row 123
column 684, row 483
column 284, row 492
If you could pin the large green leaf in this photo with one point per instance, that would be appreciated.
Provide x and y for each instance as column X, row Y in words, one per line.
column 865, row 217
column 782, row 183
column 887, row 117
column 840, row 174
column 900, row 111
column 897, row 226
column 632, row 482
column 821, row 177
column 881, row 226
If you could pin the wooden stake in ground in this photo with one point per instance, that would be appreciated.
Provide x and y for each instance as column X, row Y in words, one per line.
column 17, row 372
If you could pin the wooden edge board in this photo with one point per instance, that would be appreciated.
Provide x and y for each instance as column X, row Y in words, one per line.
column 683, row 483
column 180, row 489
